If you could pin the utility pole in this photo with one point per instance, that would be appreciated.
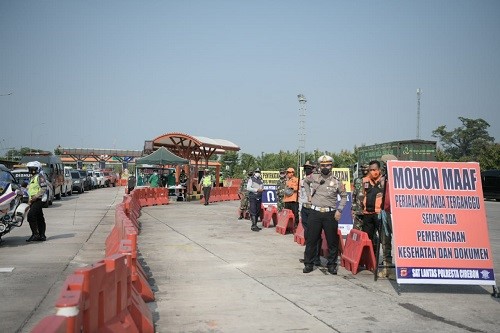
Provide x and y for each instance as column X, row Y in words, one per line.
column 419, row 92
column 302, row 131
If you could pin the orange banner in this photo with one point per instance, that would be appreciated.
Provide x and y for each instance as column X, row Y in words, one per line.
column 440, row 230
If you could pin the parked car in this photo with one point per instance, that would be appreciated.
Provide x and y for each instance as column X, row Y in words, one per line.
column 78, row 181
column 87, row 181
column 93, row 178
column 110, row 178
column 101, row 181
column 68, row 183
column 23, row 175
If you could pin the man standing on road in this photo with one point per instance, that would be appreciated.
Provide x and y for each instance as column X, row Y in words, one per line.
column 371, row 198
column 305, row 210
column 291, row 199
column 36, row 189
column 255, row 187
column 322, row 190
column 206, row 183
column 386, row 234
column 244, row 195
column 280, row 190
column 357, row 204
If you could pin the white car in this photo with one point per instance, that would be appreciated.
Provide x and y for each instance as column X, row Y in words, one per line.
column 93, row 177
column 68, row 183
column 101, row 180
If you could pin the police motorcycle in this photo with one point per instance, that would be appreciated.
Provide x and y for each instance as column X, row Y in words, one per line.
column 13, row 202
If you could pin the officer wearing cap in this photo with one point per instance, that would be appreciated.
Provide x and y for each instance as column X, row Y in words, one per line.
column 291, row 198
column 255, row 187
column 280, row 189
column 36, row 189
column 322, row 190
column 357, row 210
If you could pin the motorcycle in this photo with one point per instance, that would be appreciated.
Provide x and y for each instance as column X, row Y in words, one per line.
column 13, row 207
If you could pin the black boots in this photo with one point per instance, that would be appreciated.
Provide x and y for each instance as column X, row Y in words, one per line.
column 34, row 238
column 308, row 269
column 254, row 224
column 332, row 269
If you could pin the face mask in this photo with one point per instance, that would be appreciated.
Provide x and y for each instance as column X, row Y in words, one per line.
column 308, row 171
column 325, row 171
column 257, row 175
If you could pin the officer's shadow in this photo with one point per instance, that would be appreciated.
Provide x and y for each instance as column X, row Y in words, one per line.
column 15, row 241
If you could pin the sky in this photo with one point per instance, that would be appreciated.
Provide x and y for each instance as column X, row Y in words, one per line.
column 112, row 74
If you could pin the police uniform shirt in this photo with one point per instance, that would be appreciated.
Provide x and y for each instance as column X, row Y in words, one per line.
column 323, row 191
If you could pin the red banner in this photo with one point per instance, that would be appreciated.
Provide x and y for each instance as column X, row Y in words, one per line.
column 440, row 230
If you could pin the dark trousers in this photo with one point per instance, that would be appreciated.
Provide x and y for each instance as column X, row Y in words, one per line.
column 304, row 215
column 255, row 204
column 36, row 218
column 370, row 223
column 294, row 207
column 318, row 221
column 206, row 194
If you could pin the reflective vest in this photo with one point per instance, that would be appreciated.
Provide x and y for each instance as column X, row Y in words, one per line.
column 34, row 186
column 207, row 181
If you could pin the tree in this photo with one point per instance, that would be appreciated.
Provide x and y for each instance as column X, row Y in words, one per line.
column 229, row 160
column 467, row 142
column 490, row 157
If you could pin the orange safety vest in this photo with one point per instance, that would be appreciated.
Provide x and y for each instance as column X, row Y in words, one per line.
column 373, row 194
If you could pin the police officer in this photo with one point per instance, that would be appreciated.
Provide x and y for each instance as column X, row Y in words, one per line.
column 322, row 190
column 36, row 189
column 280, row 189
column 357, row 205
column 244, row 194
column 305, row 210
column 206, row 183
column 255, row 187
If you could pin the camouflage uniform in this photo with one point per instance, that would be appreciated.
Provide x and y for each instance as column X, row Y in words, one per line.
column 280, row 190
column 357, row 199
column 243, row 196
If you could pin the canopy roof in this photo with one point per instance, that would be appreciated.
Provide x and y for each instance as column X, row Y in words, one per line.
column 195, row 147
column 161, row 156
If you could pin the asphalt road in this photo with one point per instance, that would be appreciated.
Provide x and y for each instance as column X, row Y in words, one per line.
column 210, row 273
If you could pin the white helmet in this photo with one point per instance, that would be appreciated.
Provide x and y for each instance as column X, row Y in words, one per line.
column 325, row 159
column 34, row 165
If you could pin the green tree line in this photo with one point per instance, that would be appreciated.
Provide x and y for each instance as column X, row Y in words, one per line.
column 468, row 142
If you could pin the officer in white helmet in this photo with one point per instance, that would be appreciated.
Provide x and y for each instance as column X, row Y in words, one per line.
column 36, row 189
column 322, row 190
